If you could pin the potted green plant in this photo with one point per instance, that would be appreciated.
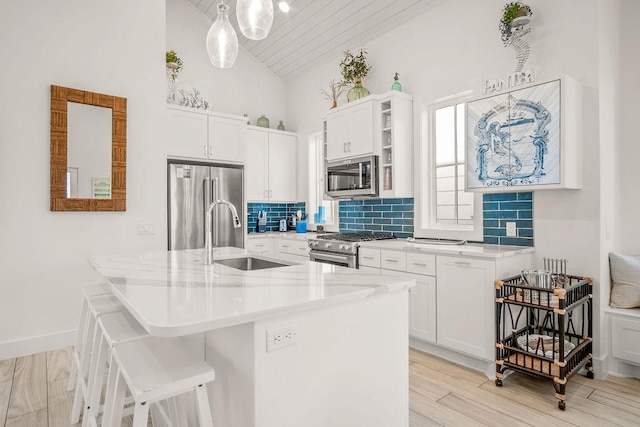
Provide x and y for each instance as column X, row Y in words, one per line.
column 513, row 14
column 335, row 90
column 355, row 68
column 174, row 63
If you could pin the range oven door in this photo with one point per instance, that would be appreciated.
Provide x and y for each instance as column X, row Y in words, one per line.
column 334, row 259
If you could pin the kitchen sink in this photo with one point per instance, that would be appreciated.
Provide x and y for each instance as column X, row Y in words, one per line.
column 249, row 263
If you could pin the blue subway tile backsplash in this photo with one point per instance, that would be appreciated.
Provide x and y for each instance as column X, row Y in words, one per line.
column 386, row 216
column 275, row 212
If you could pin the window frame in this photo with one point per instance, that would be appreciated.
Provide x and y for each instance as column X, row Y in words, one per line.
column 426, row 204
column 315, row 144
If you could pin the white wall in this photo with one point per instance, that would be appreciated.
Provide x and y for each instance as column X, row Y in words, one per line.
column 114, row 47
column 248, row 87
column 630, row 111
column 454, row 46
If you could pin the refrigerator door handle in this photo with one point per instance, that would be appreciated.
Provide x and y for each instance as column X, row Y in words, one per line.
column 215, row 188
column 206, row 194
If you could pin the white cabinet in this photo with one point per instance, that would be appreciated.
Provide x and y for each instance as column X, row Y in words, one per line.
column 350, row 131
column 205, row 135
column 271, row 166
column 422, row 308
column 261, row 245
column 292, row 249
column 625, row 338
column 465, row 301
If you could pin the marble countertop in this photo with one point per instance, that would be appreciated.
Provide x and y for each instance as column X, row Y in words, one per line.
column 470, row 249
column 285, row 234
column 173, row 293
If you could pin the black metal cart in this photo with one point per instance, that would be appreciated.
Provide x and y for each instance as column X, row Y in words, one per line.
column 545, row 333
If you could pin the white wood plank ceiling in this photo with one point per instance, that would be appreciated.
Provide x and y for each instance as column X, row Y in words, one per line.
column 315, row 31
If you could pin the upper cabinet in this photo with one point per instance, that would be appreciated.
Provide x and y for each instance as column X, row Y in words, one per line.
column 526, row 139
column 271, row 165
column 350, row 131
column 205, row 135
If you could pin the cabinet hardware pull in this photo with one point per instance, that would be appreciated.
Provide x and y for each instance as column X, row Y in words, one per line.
column 367, row 257
column 344, row 147
column 205, row 150
column 419, row 264
column 349, row 146
column 462, row 262
column 391, row 260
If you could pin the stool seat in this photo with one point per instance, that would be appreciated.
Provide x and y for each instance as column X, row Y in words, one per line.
column 120, row 326
column 95, row 290
column 155, row 368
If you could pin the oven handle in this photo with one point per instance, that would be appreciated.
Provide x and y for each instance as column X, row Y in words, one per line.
column 329, row 257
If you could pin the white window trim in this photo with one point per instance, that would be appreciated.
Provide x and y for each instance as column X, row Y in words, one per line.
column 319, row 168
column 425, row 208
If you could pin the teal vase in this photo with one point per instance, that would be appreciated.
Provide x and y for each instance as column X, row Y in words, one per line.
column 280, row 125
column 396, row 84
column 263, row 122
column 358, row 91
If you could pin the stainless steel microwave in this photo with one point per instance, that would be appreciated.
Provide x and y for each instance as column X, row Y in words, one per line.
column 351, row 178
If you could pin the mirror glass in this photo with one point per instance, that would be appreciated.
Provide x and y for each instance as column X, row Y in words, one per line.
column 88, row 151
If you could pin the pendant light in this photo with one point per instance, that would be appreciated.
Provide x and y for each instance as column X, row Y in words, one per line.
column 222, row 42
column 255, row 18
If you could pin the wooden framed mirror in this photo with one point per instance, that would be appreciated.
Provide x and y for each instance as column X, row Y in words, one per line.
column 88, row 151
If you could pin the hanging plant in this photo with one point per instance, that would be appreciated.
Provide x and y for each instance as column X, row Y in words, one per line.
column 174, row 63
column 354, row 67
column 511, row 12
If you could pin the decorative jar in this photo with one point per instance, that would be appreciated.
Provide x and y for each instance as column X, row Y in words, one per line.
column 263, row 122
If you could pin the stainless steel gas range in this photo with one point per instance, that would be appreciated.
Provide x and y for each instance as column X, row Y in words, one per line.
column 340, row 249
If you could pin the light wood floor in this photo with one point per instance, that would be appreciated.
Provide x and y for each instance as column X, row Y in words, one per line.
column 33, row 393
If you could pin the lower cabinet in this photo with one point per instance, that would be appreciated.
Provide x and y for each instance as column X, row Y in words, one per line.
column 625, row 339
column 422, row 308
column 465, row 301
column 262, row 245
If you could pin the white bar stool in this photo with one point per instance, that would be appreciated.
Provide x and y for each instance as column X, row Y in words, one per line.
column 96, row 307
column 155, row 369
column 113, row 329
column 88, row 292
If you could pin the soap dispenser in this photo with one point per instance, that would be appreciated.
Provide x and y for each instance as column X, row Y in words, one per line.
column 396, row 84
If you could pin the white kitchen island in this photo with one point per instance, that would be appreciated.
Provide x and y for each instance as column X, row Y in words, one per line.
column 347, row 362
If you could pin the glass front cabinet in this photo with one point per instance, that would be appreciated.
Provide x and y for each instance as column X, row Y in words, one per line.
column 527, row 138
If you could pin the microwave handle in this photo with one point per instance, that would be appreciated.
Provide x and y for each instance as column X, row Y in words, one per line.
column 360, row 174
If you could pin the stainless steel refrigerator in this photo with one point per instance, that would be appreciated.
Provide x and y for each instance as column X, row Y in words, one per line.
column 192, row 187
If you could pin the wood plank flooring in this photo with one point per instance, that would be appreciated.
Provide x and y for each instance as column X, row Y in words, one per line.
column 33, row 393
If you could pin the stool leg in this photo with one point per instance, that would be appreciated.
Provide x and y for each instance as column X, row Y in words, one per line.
column 204, row 411
column 141, row 414
column 82, row 329
column 85, row 359
column 114, row 401
column 96, row 375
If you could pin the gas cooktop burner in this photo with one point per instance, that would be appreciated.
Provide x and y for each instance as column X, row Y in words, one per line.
column 354, row 237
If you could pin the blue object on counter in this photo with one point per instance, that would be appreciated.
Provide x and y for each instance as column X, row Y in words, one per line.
column 301, row 226
column 321, row 216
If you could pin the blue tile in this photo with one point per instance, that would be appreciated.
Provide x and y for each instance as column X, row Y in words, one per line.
column 402, row 208
column 383, row 221
column 501, row 214
column 346, row 209
column 491, row 223
column 364, row 220
column 491, row 240
column 381, row 208
column 408, row 229
column 499, row 197
column 524, row 224
column 392, row 228
column 347, row 220
column 525, row 232
column 525, row 196
column 356, row 227
column 515, row 206
column 391, row 201
column 392, row 214
column 516, row 241
column 407, row 200
column 355, row 214
column 371, row 202
column 403, row 235
column 525, row 214
column 374, row 227
column 495, row 231
column 491, row 206
column 398, row 221
column 372, row 214
column 407, row 215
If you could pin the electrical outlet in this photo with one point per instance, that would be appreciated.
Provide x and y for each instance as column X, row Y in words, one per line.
column 282, row 337
column 511, row 229
column 145, row 229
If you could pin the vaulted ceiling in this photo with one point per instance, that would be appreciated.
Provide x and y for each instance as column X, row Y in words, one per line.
column 315, row 31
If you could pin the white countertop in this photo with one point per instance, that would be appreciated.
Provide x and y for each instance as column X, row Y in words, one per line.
column 470, row 249
column 173, row 293
column 284, row 234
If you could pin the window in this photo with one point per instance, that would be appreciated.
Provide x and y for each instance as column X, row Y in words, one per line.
column 316, row 184
column 444, row 209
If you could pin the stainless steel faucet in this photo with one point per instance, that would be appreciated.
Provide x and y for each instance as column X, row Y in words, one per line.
column 208, row 244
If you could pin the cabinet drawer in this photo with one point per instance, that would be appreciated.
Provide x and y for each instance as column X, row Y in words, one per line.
column 301, row 247
column 421, row 264
column 259, row 245
column 625, row 339
column 286, row 246
column 390, row 260
column 369, row 257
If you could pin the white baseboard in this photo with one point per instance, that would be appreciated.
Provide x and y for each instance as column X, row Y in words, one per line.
column 488, row 367
column 33, row 345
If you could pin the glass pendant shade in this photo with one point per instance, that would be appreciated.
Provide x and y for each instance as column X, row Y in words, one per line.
column 255, row 18
column 222, row 42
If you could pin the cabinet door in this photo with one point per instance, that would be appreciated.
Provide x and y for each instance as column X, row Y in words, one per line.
column 225, row 139
column 465, row 299
column 256, row 166
column 283, row 167
column 422, row 308
column 360, row 130
column 186, row 134
column 337, row 130
column 261, row 245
